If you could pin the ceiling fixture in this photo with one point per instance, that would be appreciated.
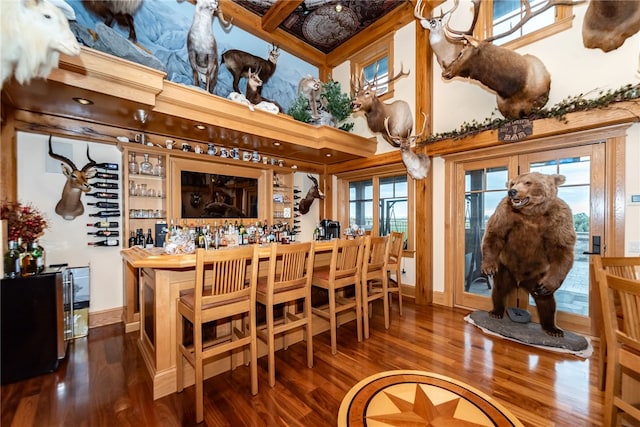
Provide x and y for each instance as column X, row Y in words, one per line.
column 83, row 101
column 200, row 127
column 140, row 115
column 328, row 155
column 339, row 7
column 276, row 144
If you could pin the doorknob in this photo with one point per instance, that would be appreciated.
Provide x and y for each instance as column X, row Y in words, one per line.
column 595, row 246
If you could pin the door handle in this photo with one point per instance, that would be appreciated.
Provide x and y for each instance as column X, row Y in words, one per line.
column 595, row 246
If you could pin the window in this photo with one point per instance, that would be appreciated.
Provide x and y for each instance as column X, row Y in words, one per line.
column 376, row 63
column 378, row 200
column 499, row 16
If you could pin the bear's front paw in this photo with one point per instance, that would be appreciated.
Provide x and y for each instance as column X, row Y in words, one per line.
column 540, row 291
column 554, row 332
column 489, row 269
column 496, row 314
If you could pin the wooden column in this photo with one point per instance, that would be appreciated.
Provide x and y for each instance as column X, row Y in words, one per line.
column 424, row 187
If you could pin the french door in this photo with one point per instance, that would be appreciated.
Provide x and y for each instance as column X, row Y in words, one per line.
column 481, row 184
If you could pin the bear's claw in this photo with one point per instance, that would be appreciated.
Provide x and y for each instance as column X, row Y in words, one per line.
column 555, row 332
column 540, row 291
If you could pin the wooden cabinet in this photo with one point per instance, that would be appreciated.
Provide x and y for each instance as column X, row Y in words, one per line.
column 145, row 206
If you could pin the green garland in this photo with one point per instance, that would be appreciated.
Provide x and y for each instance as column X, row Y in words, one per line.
column 559, row 111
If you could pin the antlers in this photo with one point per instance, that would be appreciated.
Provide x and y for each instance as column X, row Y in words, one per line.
column 405, row 141
column 356, row 86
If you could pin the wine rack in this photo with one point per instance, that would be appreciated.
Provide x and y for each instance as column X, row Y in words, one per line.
column 105, row 203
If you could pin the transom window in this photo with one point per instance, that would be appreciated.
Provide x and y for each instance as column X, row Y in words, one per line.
column 499, row 16
column 376, row 63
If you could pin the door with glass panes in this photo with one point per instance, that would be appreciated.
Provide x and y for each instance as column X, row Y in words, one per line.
column 483, row 185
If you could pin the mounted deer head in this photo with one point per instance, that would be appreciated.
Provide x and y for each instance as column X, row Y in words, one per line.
column 313, row 193
column 70, row 205
column 417, row 164
column 366, row 100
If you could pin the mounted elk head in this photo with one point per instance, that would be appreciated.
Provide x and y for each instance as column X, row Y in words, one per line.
column 313, row 193
column 607, row 24
column 521, row 82
column 417, row 164
column 70, row 205
column 445, row 49
column 366, row 100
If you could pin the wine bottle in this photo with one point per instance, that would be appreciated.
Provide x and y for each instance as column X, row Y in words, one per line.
column 132, row 239
column 108, row 166
column 104, row 214
column 103, row 195
column 107, row 175
column 105, row 243
column 103, row 224
column 108, row 185
column 148, row 242
column 105, row 205
column 105, row 233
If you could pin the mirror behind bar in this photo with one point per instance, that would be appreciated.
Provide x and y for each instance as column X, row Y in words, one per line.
column 210, row 190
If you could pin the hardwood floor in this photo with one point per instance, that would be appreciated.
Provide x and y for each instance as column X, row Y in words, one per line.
column 102, row 382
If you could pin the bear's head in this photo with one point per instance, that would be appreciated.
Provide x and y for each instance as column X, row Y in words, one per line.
column 531, row 192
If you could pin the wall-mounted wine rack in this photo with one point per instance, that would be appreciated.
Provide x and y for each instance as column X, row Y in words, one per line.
column 105, row 197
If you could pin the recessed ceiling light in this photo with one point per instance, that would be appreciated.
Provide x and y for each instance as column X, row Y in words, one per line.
column 339, row 8
column 200, row 127
column 277, row 144
column 328, row 155
column 83, row 101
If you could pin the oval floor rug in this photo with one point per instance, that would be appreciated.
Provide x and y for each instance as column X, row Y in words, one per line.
column 401, row 398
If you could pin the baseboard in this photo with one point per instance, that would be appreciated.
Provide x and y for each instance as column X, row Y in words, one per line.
column 105, row 317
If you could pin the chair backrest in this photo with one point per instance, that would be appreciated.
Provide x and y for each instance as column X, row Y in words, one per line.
column 627, row 292
column 376, row 254
column 396, row 245
column 628, row 267
column 290, row 266
column 346, row 260
column 223, row 275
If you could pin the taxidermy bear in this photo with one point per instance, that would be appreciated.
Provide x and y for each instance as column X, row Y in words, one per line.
column 529, row 243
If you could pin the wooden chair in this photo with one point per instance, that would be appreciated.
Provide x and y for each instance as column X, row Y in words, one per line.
column 375, row 278
column 628, row 267
column 623, row 347
column 225, row 289
column 394, row 265
column 343, row 272
column 288, row 280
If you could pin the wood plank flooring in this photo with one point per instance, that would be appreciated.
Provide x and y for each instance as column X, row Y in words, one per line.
column 103, row 382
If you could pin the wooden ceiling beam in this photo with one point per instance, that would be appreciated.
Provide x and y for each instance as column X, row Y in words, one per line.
column 278, row 12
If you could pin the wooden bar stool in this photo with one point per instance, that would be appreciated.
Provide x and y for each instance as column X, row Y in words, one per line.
column 344, row 271
column 225, row 289
column 375, row 279
column 288, row 281
column 394, row 265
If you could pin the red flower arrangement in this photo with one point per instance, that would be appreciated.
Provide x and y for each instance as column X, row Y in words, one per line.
column 24, row 221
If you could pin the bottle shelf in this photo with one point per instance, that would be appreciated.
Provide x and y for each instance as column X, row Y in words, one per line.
column 146, row 176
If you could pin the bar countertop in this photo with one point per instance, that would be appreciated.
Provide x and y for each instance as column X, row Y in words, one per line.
column 156, row 258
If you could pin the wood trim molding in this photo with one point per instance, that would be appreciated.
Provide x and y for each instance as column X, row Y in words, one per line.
column 618, row 113
column 105, row 317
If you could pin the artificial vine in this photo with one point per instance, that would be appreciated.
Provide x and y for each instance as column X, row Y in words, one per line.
column 559, row 111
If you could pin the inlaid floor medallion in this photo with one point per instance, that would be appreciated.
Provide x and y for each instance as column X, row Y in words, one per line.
column 418, row 398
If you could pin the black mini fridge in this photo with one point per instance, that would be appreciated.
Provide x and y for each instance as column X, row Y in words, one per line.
column 33, row 325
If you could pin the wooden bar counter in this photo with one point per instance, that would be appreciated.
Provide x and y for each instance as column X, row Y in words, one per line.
column 161, row 278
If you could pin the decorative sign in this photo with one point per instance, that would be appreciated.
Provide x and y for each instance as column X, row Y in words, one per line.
column 516, row 130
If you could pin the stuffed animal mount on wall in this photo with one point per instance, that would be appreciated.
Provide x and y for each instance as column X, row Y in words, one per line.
column 33, row 34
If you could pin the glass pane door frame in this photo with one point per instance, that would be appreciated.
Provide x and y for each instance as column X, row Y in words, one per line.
column 612, row 202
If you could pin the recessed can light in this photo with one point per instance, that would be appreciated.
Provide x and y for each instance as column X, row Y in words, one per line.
column 83, row 101
column 200, row 127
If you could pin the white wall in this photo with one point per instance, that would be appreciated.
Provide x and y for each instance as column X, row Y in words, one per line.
column 66, row 241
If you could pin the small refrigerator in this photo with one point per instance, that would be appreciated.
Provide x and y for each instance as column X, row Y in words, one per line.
column 77, row 280
column 34, row 324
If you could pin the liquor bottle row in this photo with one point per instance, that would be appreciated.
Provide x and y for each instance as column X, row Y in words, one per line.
column 23, row 260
